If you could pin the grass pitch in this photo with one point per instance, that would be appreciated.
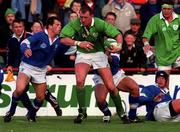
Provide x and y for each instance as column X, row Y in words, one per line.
column 92, row 124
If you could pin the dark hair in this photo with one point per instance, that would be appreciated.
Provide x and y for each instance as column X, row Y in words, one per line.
column 85, row 9
column 169, row 2
column 38, row 21
column 17, row 21
column 71, row 12
column 112, row 14
column 135, row 21
column 128, row 33
column 50, row 21
column 75, row 1
column 161, row 74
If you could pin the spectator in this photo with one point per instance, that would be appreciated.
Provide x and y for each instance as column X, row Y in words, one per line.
column 48, row 6
column 75, row 7
column 177, row 6
column 136, row 31
column 5, row 33
column 35, row 12
column 22, row 9
column 132, row 56
column 37, row 26
column 4, row 5
column 73, row 15
column 151, row 8
column 124, row 12
column 14, row 53
column 111, row 18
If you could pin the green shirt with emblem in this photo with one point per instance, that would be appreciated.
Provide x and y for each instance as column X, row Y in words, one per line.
column 167, row 42
column 95, row 34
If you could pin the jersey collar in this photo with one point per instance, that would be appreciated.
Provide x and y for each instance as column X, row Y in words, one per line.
column 92, row 23
column 18, row 38
column 173, row 14
column 50, row 41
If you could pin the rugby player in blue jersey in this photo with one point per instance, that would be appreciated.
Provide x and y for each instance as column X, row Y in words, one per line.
column 38, row 51
column 122, row 83
column 14, row 62
column 159, row 104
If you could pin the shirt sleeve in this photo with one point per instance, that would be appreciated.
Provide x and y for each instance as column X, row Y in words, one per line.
column 68, row 30
column 151, row 27
column 25, row 44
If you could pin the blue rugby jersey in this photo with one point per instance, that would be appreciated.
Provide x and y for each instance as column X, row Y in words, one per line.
column 147, row 95
column 42, row 50
column 114, row 64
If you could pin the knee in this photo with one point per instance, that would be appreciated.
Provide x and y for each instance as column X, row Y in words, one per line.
column 110, row 87
column 80, row 82
column 40, row 97
column 135, row 91
column 100, row 99
column 18, row 92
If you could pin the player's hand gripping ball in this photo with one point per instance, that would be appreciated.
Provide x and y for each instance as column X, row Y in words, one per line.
column 111, row 44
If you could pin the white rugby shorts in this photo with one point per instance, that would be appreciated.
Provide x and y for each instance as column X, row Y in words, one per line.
column 162, row 113
column 116, row 78
column 36, row 74
column 97, row 60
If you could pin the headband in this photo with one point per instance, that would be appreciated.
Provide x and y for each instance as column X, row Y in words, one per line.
column 167, row 6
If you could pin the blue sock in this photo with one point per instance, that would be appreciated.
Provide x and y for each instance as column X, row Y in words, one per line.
column 104, row 108
column 14, row 104
column 26, row 101
column 36, row 105
column 133, row 102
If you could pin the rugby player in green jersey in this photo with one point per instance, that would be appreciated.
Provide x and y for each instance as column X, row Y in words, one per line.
column 166, row 28
column 87, row 33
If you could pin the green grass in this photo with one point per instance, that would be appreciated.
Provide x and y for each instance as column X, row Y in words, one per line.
column 92, row 124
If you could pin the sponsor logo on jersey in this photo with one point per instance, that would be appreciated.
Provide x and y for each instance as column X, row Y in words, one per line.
column 175, row 27
column 43, row 45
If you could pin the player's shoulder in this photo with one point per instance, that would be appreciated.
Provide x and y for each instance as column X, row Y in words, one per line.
column 156, row 18
column 151, row 86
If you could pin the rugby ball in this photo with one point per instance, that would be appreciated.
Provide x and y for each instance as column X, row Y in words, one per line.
column 111, row 43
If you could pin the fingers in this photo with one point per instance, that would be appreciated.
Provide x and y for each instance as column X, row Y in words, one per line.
column 147, row 48
column 114, row 50
column 28, row 53
column 86, row 45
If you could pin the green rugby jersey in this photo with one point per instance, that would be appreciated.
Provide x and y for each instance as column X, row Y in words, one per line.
column 95, row 34
column 167, row 39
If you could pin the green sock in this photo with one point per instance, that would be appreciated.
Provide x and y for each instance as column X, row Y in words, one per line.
column 81, row 98
column 118, row 104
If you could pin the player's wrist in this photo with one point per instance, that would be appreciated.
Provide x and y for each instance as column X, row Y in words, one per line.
column 77, row 43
